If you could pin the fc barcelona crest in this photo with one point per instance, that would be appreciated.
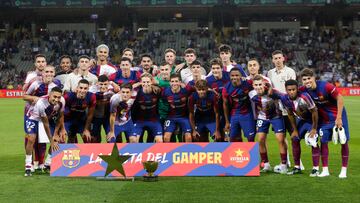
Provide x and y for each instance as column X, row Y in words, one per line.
column 71, row 158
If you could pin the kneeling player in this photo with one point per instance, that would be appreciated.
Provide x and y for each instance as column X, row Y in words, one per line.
column 79, row 111
column 145, row 113
column 120, row 115
column 267, row 112
column 203, row 113
column 178, row 114
column 333, row 122
column 44, row 110
column 301, row 105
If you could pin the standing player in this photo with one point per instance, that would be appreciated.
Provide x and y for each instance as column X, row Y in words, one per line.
column 332, row 118
column 125, row 74
column 267, row 111
column 43, row 111
column 39, row 63
column 146, row 116
column 184, row 68
column 37, row 89
column 104, row 90
column 225, row 53
column 178, row 114
column 65, row 68
column 300, row 105
column 278, row 76
column 79, row 111
column 203, row 113
column 120, row 115
column 195, row 68
column 147, row 66
column 237, row 104
column 253, row 67
column 103, row 66
column 72, row 80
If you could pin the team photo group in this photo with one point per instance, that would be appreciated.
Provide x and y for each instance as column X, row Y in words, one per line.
column 137, row 101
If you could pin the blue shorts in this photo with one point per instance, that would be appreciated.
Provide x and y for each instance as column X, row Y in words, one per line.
column 325, row 130
column 170, row 125
column 153, row 127
column 303, row 127
column 203, row 127
column 127, row 128
column 75, row 126
column 277, row 124
column 31, row 126
column 96, row 126
column 245, row 122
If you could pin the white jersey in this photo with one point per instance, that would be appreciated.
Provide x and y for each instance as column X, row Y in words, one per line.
column 264, row 107
column 73, row 79
column 43, row 108
column 31, row 77
column 122, row 108
column 107, row 70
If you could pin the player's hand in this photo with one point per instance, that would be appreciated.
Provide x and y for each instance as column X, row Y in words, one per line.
column 182, row 85
column 312, row 133
column 195, row 135
column 217, row 136
column 54, row 145
column 156, row 89
column 109, row 136
column 294, row 134
column 227, row 127
column 35, row 100
column 87, row 135
column 338, row 123
column 136, row 85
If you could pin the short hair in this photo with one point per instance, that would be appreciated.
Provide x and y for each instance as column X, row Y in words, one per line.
column 125, row 59
column 307, row 72
column 146, row 75
column 127, row 49
column 83, row 81
column 277, row 52
column 84, row 57
column 235, row 69
column 196, row 62
column 254, row 59
column 170, row 50
column 56, row 89
column 66, row 57
column 175, row 75
column 49, row 66
column 291, row 82
column 145, row 55
column 38, row 56
column 126, row 86
column 216, row 61
column 102, row 46
column 258, row 77
column 225, row 48
column 190, row 51
column 103, row 78
column 201, row 84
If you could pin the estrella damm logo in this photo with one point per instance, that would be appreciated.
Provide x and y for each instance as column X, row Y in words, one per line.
column 71, row 158
column 239, row 158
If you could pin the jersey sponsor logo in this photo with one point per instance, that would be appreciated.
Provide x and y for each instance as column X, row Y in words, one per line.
column 71, row 158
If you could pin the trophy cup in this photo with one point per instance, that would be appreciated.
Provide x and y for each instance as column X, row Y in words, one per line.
column 150, row 167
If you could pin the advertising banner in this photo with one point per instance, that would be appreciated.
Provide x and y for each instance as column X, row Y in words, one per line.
column 175, row 159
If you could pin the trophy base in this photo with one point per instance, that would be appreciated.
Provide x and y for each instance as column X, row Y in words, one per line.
column 150, row 178
column 121, row 178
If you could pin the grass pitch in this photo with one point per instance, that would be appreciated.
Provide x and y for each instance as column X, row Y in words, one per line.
column 14, row 187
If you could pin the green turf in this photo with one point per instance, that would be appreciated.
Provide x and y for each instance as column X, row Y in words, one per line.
column 270, row 187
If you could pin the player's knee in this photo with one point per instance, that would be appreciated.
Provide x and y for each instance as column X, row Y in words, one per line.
column 188, row 137
column 158, row 139
column 133, row 139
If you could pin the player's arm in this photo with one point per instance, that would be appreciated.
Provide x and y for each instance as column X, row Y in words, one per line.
column 314, row 119
column 53, row 142
column 60, row 128
column 115, row 86
column 192, row 117
column 291, row 116
column 111, row 133
column 28, row 94
column 217, row 119
column 89, row 118
column 340, row 107
column 226, row 110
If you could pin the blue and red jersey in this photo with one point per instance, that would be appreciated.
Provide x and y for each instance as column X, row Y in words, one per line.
column 74, row 107
column 119, row 79
column 177, row 102
column 238, row 98
column 218, row 84
column 107, row 69
column 146, row 107
column 204, row 107
column 324, row 96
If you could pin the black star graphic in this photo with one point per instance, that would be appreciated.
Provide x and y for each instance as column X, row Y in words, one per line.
column 115, row 161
